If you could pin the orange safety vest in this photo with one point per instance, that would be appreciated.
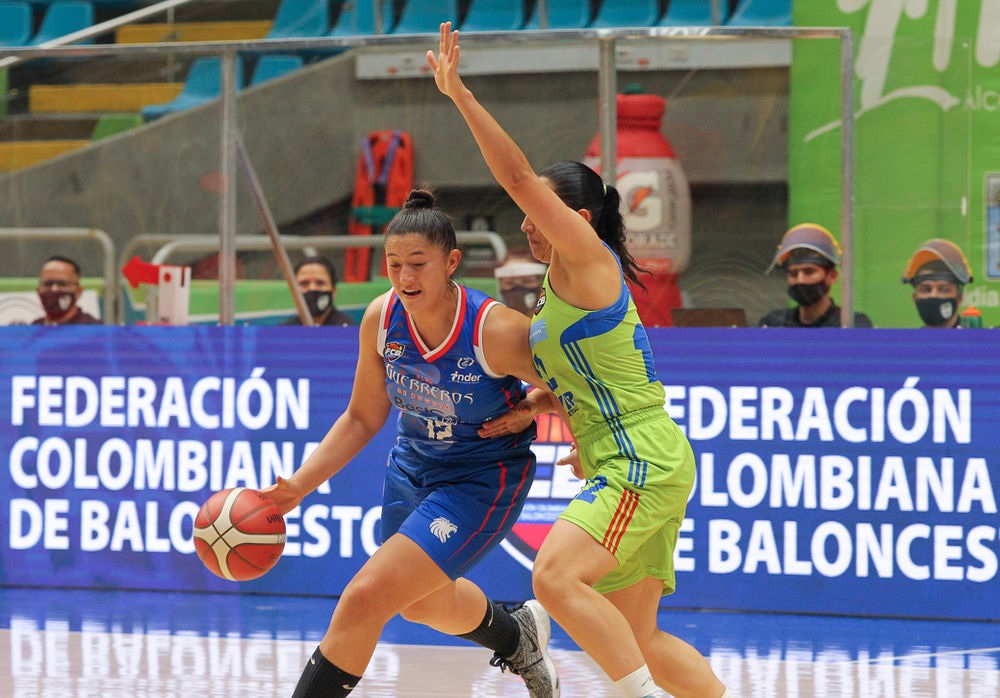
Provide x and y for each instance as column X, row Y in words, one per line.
column 383, row 181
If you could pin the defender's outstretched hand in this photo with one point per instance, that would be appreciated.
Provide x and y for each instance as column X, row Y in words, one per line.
column 445, row 64
column 513, row 422
column 572, row 459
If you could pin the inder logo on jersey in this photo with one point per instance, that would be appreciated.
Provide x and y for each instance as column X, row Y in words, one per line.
column 553, row 488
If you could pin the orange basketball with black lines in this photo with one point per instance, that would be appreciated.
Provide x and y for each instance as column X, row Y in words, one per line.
column 239, row 534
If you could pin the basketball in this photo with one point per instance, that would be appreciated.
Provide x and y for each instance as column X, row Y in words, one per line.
column 239, row 534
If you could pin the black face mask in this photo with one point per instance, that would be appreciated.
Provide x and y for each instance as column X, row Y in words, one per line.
column 318, row 302
column 937, row 311
column 807, row 294
column 521, row 298
column 57, row 303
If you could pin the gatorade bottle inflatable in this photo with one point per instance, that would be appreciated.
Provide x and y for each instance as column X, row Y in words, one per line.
column 655, row 191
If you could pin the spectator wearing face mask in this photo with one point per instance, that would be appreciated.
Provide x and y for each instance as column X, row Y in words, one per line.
column 809, row 256
column 938, row 272
column 59, row 291
column 317, row 280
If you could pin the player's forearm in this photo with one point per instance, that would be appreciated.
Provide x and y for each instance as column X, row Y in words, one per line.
column 342, row 443
column 540, row 401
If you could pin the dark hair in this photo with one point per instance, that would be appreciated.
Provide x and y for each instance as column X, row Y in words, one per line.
column 323, row 261
column 419, row 215
column 64, row 260
column 580, row 187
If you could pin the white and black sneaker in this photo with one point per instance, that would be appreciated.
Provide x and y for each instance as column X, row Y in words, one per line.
column 531, row 659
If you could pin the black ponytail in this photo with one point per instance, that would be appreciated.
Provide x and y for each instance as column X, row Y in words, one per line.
column 580, row 187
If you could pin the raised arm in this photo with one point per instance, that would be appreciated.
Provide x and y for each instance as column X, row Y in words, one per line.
column 569, row 232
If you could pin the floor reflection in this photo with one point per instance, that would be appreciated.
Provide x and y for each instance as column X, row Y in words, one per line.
column 85, row 644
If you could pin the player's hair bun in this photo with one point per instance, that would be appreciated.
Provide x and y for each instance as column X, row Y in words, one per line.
column 419, row 198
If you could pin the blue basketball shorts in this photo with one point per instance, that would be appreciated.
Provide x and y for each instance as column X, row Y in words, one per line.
column 456, row 513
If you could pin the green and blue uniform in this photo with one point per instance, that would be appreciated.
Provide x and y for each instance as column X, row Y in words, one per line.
column 639, row 466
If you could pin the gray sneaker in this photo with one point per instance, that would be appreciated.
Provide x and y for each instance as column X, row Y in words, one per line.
column 531, row 659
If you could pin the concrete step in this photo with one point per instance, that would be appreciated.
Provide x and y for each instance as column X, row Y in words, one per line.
column 49, row 114
column 28, row 127
column 15, row 155
column 192, row 31
column 99, row 98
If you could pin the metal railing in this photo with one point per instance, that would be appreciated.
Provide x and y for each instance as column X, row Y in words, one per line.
column 102, row 28
column 171, row 245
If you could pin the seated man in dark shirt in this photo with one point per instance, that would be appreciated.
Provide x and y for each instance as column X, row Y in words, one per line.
column 317, row 279
column 59, row 291
column 809, row 255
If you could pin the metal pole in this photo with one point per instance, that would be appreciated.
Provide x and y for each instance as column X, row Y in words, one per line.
column 716, row 12
column 227, row 206
column 607, row 90
column 543, row 14
column 264, row 211
column 847, row 178
column 172, row 244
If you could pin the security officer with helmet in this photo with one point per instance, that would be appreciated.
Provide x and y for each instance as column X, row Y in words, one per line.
column 809, row 256
column 938, row 272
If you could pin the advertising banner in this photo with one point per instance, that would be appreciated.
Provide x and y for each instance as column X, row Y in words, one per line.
column 854, row 475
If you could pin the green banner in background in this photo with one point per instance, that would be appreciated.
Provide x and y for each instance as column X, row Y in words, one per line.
column 927, row 141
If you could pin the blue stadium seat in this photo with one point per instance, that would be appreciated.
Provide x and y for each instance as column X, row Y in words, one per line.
column 627, row 13
column 563, row 14
column 64, row 17
column 203, row 84
column 425, row 16
column 762, row 13
column 357, row 18
column 15, row 23
column 274, row 65
column 300, row 18
column 119, row 6
column 493, row 16
column 692, row 13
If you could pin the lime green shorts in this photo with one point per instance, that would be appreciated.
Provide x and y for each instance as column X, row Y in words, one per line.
column 639, row 478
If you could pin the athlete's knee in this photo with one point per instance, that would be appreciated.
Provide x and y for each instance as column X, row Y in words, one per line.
column 362, row 598
column 416, row 613
column 646, row 635
column 551, row 581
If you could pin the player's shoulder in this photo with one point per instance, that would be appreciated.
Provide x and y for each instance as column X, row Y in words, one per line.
column 374, row 312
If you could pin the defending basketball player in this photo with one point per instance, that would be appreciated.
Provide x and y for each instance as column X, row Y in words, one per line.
column 448, row 358
column 609, row 557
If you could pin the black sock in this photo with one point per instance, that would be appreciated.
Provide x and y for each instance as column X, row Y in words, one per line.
column 321, row 679
column 498, row 631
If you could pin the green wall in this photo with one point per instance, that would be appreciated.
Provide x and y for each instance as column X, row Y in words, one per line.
column 926, row 142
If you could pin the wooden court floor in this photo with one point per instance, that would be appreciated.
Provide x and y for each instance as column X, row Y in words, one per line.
column 75, row 644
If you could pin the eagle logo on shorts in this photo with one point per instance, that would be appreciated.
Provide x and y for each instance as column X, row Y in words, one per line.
column 443, row 528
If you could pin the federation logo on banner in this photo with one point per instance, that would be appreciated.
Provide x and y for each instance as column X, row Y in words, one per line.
column 553, row 488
